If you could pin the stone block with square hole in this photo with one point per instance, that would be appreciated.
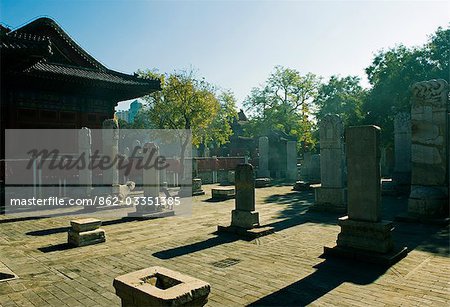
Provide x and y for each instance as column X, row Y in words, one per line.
column 85, row 232
column 158, row 286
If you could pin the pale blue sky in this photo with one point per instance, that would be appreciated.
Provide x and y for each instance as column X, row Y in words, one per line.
column 236, row 44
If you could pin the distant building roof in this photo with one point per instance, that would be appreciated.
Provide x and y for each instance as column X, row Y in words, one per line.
column 242, row 116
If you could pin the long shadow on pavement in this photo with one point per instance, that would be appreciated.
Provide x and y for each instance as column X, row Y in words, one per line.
column 329, row 275
column 295, row 213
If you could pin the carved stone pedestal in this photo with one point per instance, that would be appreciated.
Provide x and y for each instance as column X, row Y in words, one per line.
column 330, row 199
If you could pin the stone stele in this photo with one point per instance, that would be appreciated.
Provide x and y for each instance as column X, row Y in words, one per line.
column 331, row 195
column 429, row 150
column 244, row 215
column 364, row 235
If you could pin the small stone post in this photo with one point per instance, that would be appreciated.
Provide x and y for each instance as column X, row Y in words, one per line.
column 331, row 195
column 244, row 218
column 245, row 215
column 429, row 152
column 263, row 168
column 363, row 234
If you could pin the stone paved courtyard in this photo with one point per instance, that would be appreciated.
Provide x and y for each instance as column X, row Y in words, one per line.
column 283, row 268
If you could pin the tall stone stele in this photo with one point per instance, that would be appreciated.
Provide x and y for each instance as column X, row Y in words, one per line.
column 429, row 150
column 291, row 160
column 151, row 206
column 363, row 233
column 263, row 165
column 110, row 142
column 150, row 179
column 85, row 173
column 402, row 143
column 332, row 193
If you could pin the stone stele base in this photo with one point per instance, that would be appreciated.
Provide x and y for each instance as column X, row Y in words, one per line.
column 85, row 232
column 428, row 202
column 223, row 193
column 386, row 259
column 158, row 286
column 366, row 241
column 330, row 199
column 244, row 219
column 246, row 224
column 251, row 234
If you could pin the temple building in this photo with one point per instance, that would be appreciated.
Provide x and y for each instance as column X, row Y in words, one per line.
column 49, row 82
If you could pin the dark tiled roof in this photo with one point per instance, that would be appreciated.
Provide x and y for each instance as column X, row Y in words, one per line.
column 47, row 25
column 10, row 41
column 32, row 44
column 64, row 71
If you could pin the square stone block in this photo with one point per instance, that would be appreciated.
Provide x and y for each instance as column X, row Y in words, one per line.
column 223, row 193
column 262, row 182
column 86, row 224
column 86, row 237
column 158, row 286
column 244, row 219
column 368, row 236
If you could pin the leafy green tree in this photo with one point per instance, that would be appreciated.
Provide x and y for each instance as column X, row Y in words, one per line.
column 284, row 103
column 123, row 124
column 343, row 96
column 393, row 72
column 187, row 103
column 219, row 130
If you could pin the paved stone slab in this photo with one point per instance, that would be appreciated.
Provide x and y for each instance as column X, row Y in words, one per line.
column 280, row 268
